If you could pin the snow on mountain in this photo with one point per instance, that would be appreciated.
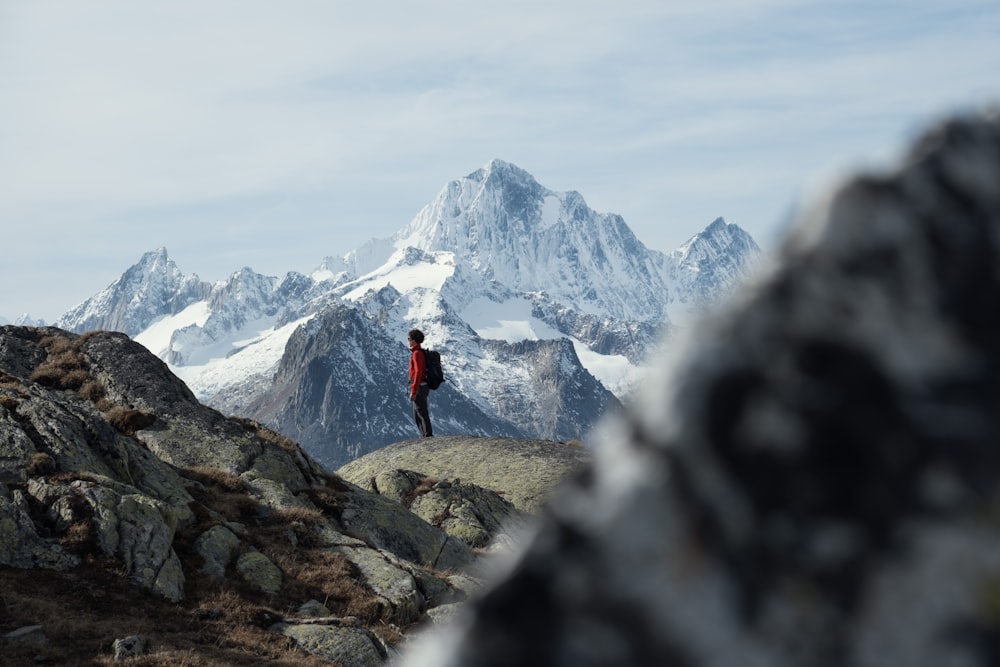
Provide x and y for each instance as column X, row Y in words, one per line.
column 508, row 229
column 23, row 320
column 406, row 269
column 513, row 320
column 152, row 288
column 539, row 304
column 709, row 265
column 211, row 335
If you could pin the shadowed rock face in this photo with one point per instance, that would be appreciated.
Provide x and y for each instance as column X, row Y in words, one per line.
column 813, row 478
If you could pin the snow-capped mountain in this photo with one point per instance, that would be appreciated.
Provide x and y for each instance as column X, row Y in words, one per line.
column 146, row 291
column 23, row 320
column 511, row 232
column 543, row 309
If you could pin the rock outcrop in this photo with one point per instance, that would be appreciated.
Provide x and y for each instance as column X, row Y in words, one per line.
column 523, row 471
column 110, row 468
column 813, row 479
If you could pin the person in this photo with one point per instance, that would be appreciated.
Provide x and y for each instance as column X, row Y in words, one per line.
column 418, row 387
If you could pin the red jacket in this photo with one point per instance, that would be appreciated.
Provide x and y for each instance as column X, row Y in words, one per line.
column 418, row 368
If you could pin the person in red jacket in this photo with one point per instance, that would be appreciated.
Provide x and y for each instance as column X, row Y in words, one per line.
column 418, row 388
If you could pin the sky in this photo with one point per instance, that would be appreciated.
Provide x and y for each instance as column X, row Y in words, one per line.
column 269, row 134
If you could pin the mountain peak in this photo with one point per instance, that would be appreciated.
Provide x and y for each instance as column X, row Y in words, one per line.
column 509, row 230
column 523, row 287
column 26, row 320
column 717, row 225
column 497, row 168
column 146, row 290
column 160, row 254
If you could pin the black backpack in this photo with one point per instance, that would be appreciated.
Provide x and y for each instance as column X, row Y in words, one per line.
column 435, row 374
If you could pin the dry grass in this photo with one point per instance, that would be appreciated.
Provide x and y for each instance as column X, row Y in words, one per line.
column 92, row 391
column 41, row 464
column 268, row 435
column 426, row 485
column 216, row 477
column 129, row 420
column 65, row 367
column 84, row 611
column 298, row 515
column 225, row 493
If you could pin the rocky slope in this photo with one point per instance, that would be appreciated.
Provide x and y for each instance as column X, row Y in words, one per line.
column 157, row 526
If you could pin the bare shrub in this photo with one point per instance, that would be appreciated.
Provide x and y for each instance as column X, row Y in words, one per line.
column 129, row 420
column 327, row 500
column 56, row 344
column 62, row 361
column 40, row 464
column 224, row 492
column 216, row 477
column 74, row 378
column 47, row 375
column 297, row 515
column 80, row 538
column 93, row 391
column 268, row 435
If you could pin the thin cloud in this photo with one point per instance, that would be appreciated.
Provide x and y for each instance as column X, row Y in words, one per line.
column 284, row 133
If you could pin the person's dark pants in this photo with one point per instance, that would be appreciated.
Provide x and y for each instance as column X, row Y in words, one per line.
column 421, row 415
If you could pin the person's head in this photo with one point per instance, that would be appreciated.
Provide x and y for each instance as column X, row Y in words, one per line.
column 416, row 336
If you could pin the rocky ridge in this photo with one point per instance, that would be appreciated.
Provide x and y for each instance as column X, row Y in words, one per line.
column 111, row 471
column 531, row 468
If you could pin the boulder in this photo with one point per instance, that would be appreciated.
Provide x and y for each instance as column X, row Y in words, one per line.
column 522, row 471
column 403, row 602
column 386, row 525
column 129, row 647
column 20, row 543
column 313, row 608
column 260, row 572
column 28, row 635
column 217, row 547
column 353, row 646
column 467, row 512
column 133, row 527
